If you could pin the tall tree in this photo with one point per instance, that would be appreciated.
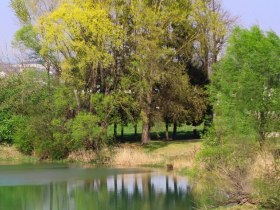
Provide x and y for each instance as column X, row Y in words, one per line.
column 211, row 24
column 245, row 93
column 246, row 84
column 125, row 48
column 148, row 60
column 27, row 38
column 83, row 34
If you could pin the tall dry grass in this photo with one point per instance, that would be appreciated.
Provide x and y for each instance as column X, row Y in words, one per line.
column 11, row 154
column 84, row 156
column 133, row 156
column 178, row 155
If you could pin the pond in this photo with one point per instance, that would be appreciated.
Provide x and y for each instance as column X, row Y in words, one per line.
column 68, row 187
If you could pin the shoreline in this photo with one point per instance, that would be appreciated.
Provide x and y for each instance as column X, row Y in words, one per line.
column 157, row 155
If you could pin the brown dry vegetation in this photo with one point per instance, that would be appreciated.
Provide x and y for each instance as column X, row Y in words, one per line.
column 10, row 154
column 249, row 187
column 82, row 155
column 238, row 207
column 133, row 155
column 180, row 154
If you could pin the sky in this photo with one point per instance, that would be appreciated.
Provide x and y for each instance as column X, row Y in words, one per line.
column 8, row 26
column 265, row 13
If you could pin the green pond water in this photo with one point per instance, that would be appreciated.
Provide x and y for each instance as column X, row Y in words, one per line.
column 66, row 187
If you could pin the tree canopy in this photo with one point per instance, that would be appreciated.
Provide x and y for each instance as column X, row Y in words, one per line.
column 245, row 86
column 120, row 62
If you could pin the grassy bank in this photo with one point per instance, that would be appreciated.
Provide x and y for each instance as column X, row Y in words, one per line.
column 158, row 153
column 239, row 207
column 178, row 154
column 10, row 155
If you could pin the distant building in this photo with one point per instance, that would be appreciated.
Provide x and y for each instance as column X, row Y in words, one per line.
column 2, row 74
column 6, row 69
column 23, row 66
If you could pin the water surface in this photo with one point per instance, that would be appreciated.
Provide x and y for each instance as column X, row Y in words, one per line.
column 63, row 187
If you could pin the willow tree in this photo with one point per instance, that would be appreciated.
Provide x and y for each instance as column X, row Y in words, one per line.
column 211, row 26
column 161, row 38
column 83, row 34
column 245, row 93
column 246, row 85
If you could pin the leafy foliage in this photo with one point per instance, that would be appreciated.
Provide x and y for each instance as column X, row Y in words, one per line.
column 245, row 96
column 245, row 85
column 116, row 62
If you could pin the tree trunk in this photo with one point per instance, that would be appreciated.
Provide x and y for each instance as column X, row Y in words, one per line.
column 262, row 120
column 49, row 77
column 115, row 131
column 166, row 130
column 102, row 78
column 209, row 117
column 104, row 127
column 146, row 117
column 122, row 133
column 77, row 97
column 135, row 131
column 195, row 134
column 174, row 135
column 149, row 130
column 145, row 132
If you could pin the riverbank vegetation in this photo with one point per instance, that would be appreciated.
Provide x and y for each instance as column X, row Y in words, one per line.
column 120, row 73
column 10, row 155
column 241, row 150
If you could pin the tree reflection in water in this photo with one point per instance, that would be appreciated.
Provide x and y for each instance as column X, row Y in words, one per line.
column 147, row 191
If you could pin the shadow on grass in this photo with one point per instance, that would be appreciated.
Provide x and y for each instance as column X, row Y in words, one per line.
column 154, row 145
column 159, row 140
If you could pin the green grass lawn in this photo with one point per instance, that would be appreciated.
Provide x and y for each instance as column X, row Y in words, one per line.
column 184, row 132
column 171, row 148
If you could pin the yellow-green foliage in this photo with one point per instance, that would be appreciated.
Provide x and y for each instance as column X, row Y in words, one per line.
column 114, row 59
column 82, row 32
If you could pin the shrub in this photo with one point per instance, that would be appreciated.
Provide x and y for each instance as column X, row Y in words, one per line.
column 86, row 132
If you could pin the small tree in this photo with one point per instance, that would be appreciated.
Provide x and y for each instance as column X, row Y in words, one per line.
column 180, row 102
